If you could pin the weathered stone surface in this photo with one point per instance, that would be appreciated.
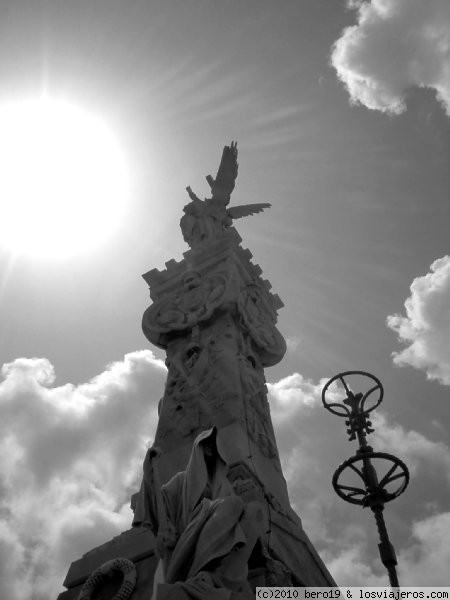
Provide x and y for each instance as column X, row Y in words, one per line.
column 134, row 544
column 216, row 318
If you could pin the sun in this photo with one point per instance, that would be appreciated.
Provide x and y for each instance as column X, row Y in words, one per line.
column 63, row 179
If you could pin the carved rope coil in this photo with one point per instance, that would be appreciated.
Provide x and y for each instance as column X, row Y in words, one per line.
column 118, row 564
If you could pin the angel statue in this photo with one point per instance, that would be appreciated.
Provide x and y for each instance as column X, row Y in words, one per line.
column 205, row 532
column 205, row 219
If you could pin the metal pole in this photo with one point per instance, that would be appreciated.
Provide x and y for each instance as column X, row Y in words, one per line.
column 386, row 549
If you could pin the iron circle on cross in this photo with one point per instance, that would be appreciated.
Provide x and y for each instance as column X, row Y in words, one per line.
column 390, row 485
column 340, row 401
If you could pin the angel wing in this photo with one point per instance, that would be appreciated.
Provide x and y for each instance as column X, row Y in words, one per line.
column 223, row 184
column 245, row 210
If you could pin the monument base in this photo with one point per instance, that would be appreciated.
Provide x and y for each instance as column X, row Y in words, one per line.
column 293, row 562
column 137, row 545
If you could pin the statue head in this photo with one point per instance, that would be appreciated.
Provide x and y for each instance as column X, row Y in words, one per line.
column 210, row 452
column 209, row 445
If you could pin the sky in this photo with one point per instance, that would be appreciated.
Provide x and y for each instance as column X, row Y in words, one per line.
column 341, row 111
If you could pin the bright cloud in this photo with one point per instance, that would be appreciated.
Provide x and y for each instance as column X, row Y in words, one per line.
column 426, row 560
column 395, row 45
column 426, row 326
column 70, row 458
column 292, row 343
column 291, row 393
column 421, row 454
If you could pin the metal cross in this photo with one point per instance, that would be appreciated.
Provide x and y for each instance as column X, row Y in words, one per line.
column 374, row 491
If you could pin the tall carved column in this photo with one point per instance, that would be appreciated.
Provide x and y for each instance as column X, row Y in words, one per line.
column 215, row 316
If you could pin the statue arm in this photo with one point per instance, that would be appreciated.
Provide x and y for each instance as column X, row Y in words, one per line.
column 195, row 199
column 223, row 184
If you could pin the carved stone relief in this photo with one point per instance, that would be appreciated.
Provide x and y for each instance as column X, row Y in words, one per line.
column 203, row 372
column 193, row 303
column 259, row 323
column 257, row 410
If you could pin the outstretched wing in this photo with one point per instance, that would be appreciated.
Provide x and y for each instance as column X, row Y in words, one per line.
column 223, row 184
column 245, row 210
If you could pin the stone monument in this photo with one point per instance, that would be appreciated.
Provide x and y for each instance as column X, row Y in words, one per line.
column 212, row 518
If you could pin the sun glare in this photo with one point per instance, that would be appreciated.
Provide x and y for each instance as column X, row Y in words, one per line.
column 63, row 180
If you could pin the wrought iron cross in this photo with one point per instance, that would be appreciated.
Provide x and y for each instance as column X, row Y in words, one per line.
column 374, row 492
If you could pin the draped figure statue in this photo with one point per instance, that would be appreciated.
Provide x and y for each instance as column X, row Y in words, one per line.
column 205, row 532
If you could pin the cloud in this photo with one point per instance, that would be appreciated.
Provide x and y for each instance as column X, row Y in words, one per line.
column 395, row 45
column 423, row 563
column 424, row 457
column 291, row 393
column 292, row 343
column 349, row 566
column 70, row 458
column 426, row 326
column 426, row 560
